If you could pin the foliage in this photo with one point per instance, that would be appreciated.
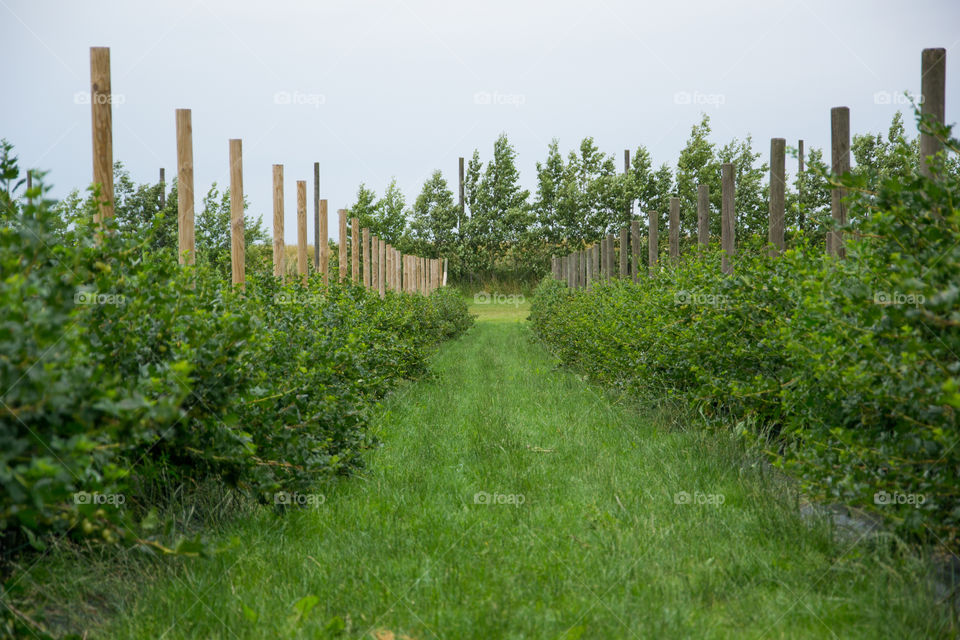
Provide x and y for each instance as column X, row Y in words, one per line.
column 127, row 378
column 846, row 370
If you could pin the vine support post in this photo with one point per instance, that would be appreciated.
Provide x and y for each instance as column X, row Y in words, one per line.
column 840, row 165
column 933, row 80
column 101, row 112
column 778, row 185
column 185, row 201
column 237, row 240
column 728, row 216
column 279, row 247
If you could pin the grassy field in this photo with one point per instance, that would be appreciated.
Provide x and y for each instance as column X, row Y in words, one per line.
column 511, row 500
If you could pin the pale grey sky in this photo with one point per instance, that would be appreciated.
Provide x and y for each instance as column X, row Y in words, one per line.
column 399, row 88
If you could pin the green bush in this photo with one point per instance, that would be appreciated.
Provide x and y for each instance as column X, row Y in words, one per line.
column 127, row 377
column 846, row 371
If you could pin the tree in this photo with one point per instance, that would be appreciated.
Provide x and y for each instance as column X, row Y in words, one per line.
column 751, row 204
column 696, row 165
column 213, row 236
column 433, row 229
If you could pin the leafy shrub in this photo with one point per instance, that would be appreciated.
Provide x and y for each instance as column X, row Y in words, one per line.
column 847, row 369
column 126, row 376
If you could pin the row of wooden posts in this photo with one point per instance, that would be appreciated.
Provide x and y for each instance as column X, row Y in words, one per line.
column 580, row 268
column 370, row 260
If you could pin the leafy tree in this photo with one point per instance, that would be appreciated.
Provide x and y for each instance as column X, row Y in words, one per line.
column 213, row 236
column 697, row 164
column 433, row 228
column 752, row 208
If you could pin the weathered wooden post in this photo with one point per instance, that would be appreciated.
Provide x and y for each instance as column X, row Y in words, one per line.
column 840, row 147
column 801, row 221
column 653, row 222
column 101, row 111
column 674, row 230
column 316, row 216
column 367, row 281
column 342, row 244
column 355, row 250
column 626, row 173
column 381, row 267
column 237, row 240
column 185, row 233
column 778, row 186
column 302, row 230
column 727, row 216
column 462, row 205
column 279, row 247
column 635, row 248
column 611, row 255
column 324, row 242
column 703, row 215
column 624, row 252
column 374, row 263
column 933, row 82
column 163, row 188
column 563, row 268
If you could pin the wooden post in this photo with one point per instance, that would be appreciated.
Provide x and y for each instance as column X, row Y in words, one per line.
column 381, row 267
column 355, row 250
column 635, row 248
column 185, row 205
column 778, row 186
column 840, row 147
column 302, row 230
column 374, row 263
column 933, row 82
column 101, row 110
column 727, row 216
column 563, row 269
column 163, row 188
column 316, row 216
column 626, row 172
column 653, row 222
column 624, row 252
column 703, row 215
column 674, row 227
column 324, row 242
column 237, row 241
column 800, row 212
column 582, row 281
column 342, row 213
column 367, row 282
column 279, row 247
column 462, row 200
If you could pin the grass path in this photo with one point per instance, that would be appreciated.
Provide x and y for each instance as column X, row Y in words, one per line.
column 582, row 535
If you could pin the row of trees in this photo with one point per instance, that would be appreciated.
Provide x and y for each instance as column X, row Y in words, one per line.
column 504, row 229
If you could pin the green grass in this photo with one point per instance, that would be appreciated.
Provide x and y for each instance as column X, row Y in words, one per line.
column 590, row 541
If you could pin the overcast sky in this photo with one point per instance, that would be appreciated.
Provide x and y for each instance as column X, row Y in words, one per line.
column 373, row 90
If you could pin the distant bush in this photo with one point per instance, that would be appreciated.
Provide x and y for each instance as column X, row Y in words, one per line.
column 847, row 370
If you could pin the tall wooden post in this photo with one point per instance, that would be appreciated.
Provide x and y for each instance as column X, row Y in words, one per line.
column 626, row 172
column 237, row 240
column 462, row 200
column 727, row 216
column 185, row 234
column 840, row 147
column 381, row 267
column 279, row 246
column 611, row 255
column 624, row 252
column 101, row 111
column 367, row 263
column 703, row 215
column 653, row 222
column 343, row 240
column 674, row 227
column 933, row 82
column 374, row 263
column 801, row 221
column 778, row 186
column 163, row 188
column 316, row 216
column 302, row 230
column 635, row 248
column 355, row 250
column 324, row 242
